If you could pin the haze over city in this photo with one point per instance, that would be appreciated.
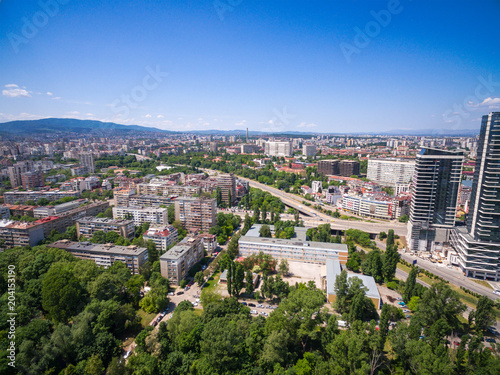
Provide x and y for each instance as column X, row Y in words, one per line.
column 326, row 67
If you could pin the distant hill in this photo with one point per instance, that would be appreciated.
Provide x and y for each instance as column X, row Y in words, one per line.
column 65, row 125
column 69, row 125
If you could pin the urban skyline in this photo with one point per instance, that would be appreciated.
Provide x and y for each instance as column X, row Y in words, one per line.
column 266, row 66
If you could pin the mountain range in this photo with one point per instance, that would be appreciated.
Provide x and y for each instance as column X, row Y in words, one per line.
column 68, row 125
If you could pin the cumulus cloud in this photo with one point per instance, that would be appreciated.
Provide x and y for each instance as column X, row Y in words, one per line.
column 49, row 93
column 14, row 91
column 148, row 116
column 490, row 102
column 160, row 116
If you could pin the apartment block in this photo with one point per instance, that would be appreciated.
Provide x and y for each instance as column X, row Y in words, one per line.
column 309, row 150
column 348, row 168
column 274, row 148
column 140, row 215
column 163, row 236
column 87, row 160
column 106, row 255
column 390, row 171
column 226, row 182
column 46, row 211
column 176, row 263
column 436, row 182
column 21, row 197
column 196, row 213
column 87, row 226
column 32, row 179
column 16, row 233
column 16, row 170
column 328, row 167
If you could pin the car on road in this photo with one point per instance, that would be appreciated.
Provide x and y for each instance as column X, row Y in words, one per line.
column 251, row 304
column 253, row 311
column 195, row 304
column 179, row 293
column 263, row 313
column 406, row 311
column 170, row 293
column 261, row 306
column 489, row 339
column 497, row 292
column 401, row 303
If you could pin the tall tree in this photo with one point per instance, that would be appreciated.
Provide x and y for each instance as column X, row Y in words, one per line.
column 238, row 278
column 410, row 284
column 484, row 315
column 390, row 237
column 283, row 267
column 249, row 288
column 391, row 260
column 230, row 277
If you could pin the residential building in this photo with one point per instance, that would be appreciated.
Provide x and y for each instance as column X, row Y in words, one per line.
column 163, row 236
column 348, row 168
column 434, row 198
column 86, row 159
column 176, row 262
column 309, row 150
column 274, row 148
column 196, row 213
column 122, row 196
column 140, row 215
column 87, row 226
column 16, row 170
column 478, row 244
column 20, row 197
column 4, row 212
column 317, row 186
column 390, row 171
column 328, row 167
column 296, row 249
column 15, row 233
column 106, row 255
column 226, row 182
column 32, row 179
column 46, row 211
column 209, row 242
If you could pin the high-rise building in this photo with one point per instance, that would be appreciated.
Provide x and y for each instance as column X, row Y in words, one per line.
column 226, row 182
column 196, row 213
column 348, row 168
column 328, row 167
column 176, row 262
column 141, row 215
column 309, row 150
column 390, row 171
column 278, row 148
column 87, row 160
column 478, row 245
column 16, row 170
column 436, row 182
column 32, row 179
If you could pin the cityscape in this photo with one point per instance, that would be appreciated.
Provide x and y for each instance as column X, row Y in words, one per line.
column 222, row 210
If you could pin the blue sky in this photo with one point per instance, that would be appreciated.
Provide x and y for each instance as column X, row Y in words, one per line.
column 321, row 66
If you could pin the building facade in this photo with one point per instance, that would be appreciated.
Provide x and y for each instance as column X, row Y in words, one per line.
column 478, row 245
column 436, row 182
column 140, row 215
column 176, row 262
column 196, row 213
column 106, row 255
column 163, row 236
column 390, row 171
column 87, row 226
column 274, row 148
column 226, row 182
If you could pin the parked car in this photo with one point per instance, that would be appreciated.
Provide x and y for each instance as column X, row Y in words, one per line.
column 406, row 311
column 179, row 293
column 489, row 339
column 253, row 311
column 401, row 304
column 195, row 304
column 170, row 293
column 244, row 303
column 251, row 304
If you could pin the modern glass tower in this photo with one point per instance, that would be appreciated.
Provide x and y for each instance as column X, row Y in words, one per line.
column 434, row 198
column 478, row 245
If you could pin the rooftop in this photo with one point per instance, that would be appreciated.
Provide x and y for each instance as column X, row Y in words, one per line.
column 334, row 268
column 98, row 248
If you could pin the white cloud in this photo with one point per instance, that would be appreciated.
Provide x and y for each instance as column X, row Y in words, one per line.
column 13, row 91
column 148, row 116
column 306, row 125
column 160, row 116
column 490, row 102
column 49, row 93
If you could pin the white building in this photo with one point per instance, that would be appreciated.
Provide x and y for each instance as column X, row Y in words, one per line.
column 163, row 236
column 390, row 171
column 140, row 215
column 274, row 148
column 317, row 186
column 309, row 150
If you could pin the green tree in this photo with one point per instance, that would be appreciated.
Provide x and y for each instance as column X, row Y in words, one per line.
column 410, row 284
column 390, row 264
column 484, row 315
column 249, row 287
column 199, row 278
column 171, row 213
column 390, row 238
column 238, row 278
column 283, row 267
column 265, row 231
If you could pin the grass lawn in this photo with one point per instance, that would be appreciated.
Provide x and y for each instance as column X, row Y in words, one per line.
column 213, row 281
column 483, row 283
column 145, row 317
